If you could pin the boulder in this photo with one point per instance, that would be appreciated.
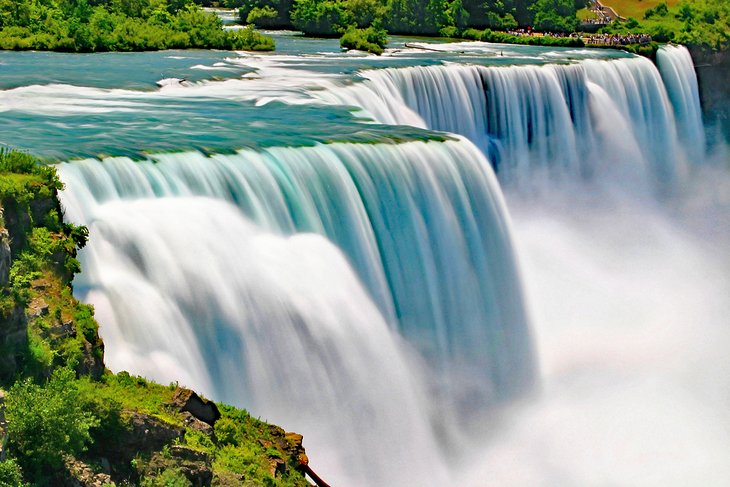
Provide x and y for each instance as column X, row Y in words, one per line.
column 186, row 400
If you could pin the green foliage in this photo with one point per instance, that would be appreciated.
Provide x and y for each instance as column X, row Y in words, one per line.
column 555, row 15
column 12, row 161
column 488, row 35
column 701, row 23
column 123, row 391
column 47, row 421
column 170, row 477
column 115, row 25
column 260, row 16
column 11, row 475
column 660, row 10
column 247, row 39
column 371, row 39
column 322, row 18
column 705, row 23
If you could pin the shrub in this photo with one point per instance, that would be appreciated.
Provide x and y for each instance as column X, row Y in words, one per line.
column 371, row 39
column 45, row 422
column 11, row 474
column 261, row 16
column 247, row 39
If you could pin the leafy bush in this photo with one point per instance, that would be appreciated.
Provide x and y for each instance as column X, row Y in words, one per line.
column 261, row 16
column 247, row 39
column 47, row 421
column 11, row 475
column 170, row 477
column 371, row 39
column 660, row 10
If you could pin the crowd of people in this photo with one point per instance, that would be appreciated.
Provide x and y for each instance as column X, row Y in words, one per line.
column 590, row 39
column 616, row 39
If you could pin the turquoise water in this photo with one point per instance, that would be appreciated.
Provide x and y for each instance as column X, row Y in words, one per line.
column 62, row 106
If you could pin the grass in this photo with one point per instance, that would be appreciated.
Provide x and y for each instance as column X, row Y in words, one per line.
column 585, row 14
column 636, row 8
column 134, row 394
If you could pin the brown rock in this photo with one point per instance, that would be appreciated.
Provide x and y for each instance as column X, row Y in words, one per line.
column 79, row 474
column 145, row 434
column 37, row 308
column 192, row 422
column 202, row 409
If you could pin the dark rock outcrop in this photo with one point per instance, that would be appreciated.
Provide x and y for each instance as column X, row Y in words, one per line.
column 13, row 338
column 186, row 400
column 713, row 73
column 145, row 434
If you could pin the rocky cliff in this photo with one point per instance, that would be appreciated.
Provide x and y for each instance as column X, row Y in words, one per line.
column 713, row 72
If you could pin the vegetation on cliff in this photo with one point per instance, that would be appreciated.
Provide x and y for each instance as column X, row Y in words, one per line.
column 698, row 23
column 69, row 420
column 118, row 25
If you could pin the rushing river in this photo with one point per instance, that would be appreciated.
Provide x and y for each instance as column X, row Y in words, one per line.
column 454, row 264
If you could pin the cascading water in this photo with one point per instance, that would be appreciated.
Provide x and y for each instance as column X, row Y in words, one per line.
column 367, row 295
column 559, row 119
column 422, row 223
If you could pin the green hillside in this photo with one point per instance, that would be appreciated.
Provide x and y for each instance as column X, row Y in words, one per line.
column 636, row 8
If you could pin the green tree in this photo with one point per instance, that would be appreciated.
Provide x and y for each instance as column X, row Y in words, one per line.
column 324, row 18
column 555, row 15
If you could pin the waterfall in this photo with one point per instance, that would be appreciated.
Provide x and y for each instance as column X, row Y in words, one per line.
column 558, row 118
column 367, row 295
column 248, row 304
column 677, row 70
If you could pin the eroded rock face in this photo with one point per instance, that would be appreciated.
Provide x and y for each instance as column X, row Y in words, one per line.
column 713, row 72
column 145, row 434
column 186, row 400
column 81, row 474
column 13, row 336
column 194, row 465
